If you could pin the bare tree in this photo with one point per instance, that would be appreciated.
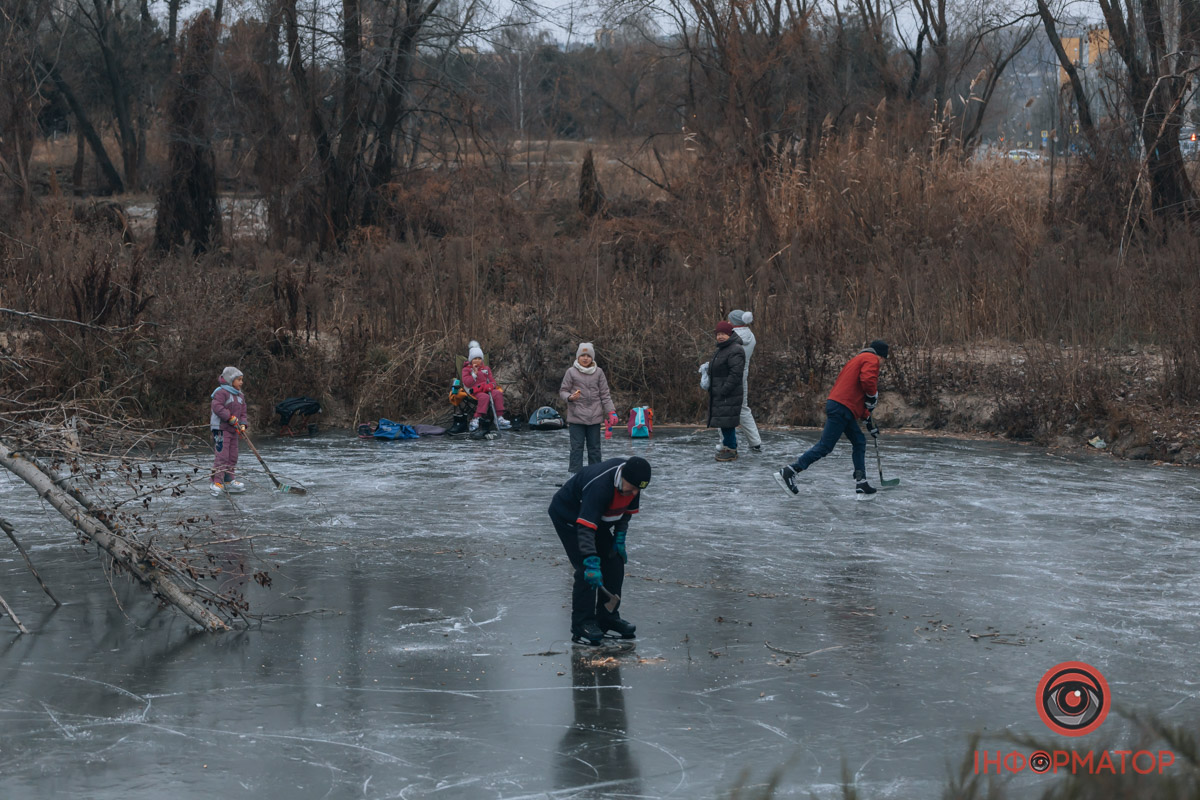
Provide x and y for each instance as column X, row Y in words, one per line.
column 1158, row 44
column 187, row 203
column 19, row 91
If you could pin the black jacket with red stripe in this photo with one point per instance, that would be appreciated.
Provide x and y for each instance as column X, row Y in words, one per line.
column 590, row 501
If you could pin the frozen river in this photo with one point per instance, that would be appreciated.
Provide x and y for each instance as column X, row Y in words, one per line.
column 445, row 668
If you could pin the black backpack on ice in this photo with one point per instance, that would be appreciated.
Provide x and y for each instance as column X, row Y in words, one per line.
column 546, row 419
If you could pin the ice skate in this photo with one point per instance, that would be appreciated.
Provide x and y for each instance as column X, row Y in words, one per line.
column 786, row 478
column 587, row 634
column 862, row 489
column 622, row 628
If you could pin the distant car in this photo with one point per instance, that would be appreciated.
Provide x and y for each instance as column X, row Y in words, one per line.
column 1024, row 156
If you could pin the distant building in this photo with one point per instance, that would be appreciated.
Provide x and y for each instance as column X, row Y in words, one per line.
column 1084, row 49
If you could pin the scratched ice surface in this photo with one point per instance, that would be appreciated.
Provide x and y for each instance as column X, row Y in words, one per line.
column 446, row 671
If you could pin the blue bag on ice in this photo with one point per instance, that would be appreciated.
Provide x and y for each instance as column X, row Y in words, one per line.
column 394, row 430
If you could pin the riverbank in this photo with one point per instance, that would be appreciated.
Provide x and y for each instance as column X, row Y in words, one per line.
column 1002, row 324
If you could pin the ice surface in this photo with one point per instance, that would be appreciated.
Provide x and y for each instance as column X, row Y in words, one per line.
column 445, row 668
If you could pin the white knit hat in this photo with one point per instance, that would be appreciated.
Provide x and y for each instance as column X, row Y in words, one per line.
column 474, row 350
column 739, row 317
column 230, row 374
column 586, row 347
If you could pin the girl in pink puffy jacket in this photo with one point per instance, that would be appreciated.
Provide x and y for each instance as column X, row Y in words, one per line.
column 478, row 379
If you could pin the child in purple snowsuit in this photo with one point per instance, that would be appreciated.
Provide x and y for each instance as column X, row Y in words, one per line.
column 228, row 419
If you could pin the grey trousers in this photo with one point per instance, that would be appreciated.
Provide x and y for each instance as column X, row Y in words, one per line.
column 580, row 432
column 746, row 422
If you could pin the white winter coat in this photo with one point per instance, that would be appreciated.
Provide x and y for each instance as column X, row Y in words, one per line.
column 748, row 342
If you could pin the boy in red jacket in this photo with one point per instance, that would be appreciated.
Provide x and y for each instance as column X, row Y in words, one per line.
column 854, row 395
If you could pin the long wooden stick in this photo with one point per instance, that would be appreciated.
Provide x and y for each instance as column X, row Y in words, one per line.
column 7, row 527
column 283, row 487
column 120, row 549
column 9, row 611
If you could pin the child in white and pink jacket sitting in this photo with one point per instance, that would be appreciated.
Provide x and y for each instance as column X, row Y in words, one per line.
column 478, row 379
column 227, row 420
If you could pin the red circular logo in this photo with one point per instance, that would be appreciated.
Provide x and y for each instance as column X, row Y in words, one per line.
column 1072, row 698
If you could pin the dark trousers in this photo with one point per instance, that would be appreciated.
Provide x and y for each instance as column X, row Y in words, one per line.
column 729, row 438
column 587, row 604
column 838, row 420
column 580, row 432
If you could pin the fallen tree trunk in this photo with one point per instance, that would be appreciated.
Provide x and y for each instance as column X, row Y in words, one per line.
column 127, row 554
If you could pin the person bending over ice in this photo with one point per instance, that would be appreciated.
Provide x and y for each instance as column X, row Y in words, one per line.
column 477, row 378
column 591, row 514
column 854, row 395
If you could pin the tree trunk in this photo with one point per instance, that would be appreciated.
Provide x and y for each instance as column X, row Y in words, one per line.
column 187, row 204
column 120, row 96
column 122, row 551
column 115, row 184
column 80, row 159
column 1084, row 111
column 332, row 209
column 172, row 28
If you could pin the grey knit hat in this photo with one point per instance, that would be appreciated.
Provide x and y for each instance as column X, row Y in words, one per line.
column 230, row 374
column 739, row 317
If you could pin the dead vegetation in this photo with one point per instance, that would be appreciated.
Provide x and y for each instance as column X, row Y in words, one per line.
column 1001, row 320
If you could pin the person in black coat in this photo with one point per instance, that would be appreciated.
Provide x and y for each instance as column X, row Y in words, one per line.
column 725, row 375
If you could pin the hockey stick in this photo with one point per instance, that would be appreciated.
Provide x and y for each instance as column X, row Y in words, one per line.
column 283, row 487
column 495, row 413
column 885, row 484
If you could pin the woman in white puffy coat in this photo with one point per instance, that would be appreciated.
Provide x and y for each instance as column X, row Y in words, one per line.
column 741, row 326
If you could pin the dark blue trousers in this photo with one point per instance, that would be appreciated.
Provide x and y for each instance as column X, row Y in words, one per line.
column 838, row 420
column 729, row 438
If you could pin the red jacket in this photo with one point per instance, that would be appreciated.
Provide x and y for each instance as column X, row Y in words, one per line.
column 859, row 378
column 478, row 380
